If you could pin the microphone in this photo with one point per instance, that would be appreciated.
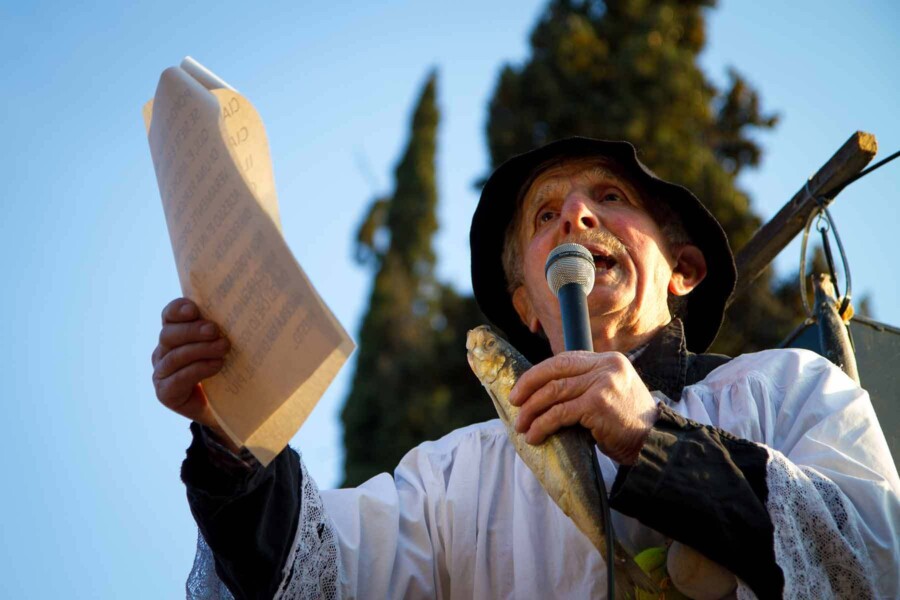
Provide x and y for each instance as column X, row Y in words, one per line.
column 570, row 274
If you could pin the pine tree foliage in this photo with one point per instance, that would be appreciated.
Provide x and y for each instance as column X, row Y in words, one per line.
column 628, row 69
column 411, row 382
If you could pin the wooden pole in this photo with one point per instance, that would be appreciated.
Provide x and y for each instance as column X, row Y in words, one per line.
column 773, row 236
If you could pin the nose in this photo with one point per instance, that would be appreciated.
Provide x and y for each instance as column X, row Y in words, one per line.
column 577, row 214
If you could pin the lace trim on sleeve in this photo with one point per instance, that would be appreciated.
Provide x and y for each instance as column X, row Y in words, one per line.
column 203, row 583
column 818, row 545
column 311, row 569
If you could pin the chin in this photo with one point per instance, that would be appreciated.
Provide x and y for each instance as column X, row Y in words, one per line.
column 605, row 301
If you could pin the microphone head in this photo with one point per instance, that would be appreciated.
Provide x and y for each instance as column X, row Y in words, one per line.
column 570, row 263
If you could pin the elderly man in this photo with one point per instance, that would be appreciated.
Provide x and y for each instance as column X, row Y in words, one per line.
column 773, row 464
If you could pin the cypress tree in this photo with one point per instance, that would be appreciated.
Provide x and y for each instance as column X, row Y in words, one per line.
column 411, row 381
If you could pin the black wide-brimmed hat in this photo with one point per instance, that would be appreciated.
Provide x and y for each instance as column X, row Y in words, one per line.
column 705, row 304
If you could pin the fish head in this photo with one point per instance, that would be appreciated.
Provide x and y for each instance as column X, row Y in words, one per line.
column 485, row 353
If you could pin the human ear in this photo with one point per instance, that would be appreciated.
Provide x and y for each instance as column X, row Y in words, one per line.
column 525, row 310
column 689, row 270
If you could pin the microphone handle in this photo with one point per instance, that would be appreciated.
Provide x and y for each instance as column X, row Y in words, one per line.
column 575, row 321
column 577, row 335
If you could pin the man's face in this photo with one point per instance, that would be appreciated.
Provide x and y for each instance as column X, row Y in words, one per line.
column 584, row 202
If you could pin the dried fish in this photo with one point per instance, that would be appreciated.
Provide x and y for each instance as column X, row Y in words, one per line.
column 563, row 463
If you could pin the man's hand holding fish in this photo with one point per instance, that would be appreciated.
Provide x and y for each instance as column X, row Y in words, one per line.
column 599, row 391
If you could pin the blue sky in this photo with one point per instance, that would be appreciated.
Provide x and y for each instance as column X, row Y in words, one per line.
column 93, row 507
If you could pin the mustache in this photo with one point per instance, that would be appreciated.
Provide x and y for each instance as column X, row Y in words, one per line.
column 601, row 238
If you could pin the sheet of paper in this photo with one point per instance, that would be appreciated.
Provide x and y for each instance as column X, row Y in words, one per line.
column 215, row 178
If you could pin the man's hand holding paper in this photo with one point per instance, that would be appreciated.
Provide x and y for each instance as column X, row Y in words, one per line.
column 215, row 177
column 190, row 350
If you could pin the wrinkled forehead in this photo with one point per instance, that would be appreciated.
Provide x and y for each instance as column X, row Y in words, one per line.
column 553, row 177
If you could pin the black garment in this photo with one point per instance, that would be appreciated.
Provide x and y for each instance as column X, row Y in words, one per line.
column 699, row 484
column 248, row 515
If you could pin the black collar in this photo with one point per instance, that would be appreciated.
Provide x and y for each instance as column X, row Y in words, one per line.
column 668, row 366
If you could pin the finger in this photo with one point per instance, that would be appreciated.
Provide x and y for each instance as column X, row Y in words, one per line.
column 178, row 389
column 180, row 310
column 553, row 392
column 196, row 407
column 182, row 356
column 155, row 356
column 564, row 414
column 173, row 335
column 565, row 364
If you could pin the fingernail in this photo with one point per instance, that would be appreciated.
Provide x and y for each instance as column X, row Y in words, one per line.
column 186, row 310
column 209, row 330
column 520, row 428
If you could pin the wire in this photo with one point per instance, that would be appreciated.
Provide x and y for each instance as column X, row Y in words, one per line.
column 821, row 201
column 810, row 315
column 863, row 173
column 610, row 537
column 829, row 225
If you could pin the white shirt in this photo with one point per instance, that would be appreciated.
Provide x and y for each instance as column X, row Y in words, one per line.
column 464, row 517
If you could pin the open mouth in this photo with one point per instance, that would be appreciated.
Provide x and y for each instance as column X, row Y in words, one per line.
column 603, row 262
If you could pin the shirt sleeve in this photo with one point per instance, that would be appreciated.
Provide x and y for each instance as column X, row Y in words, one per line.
column 389, row 530
column 247, row 515
column 776, row 467
column 706, row 488
column 261, row 538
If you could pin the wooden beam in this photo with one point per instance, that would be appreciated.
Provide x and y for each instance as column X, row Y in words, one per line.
column 773, row 236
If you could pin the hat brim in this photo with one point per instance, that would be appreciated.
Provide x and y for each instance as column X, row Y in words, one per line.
column 705, row 304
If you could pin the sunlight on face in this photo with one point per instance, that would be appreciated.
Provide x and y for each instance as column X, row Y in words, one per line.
column 586, row 201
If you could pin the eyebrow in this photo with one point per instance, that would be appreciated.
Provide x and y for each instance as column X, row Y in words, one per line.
column 600, row 172
column 546, row 188
column 593, row 173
